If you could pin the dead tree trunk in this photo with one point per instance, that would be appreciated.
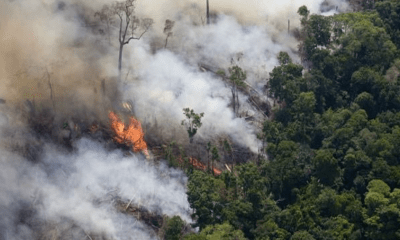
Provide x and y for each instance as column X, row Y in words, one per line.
column 237, row 102
column 128, row 24
column 51, row 90
column 208, row 14
column 121, row 47
column 234, row 100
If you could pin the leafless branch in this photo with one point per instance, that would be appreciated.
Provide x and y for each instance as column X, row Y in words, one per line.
column 51, row 89
column 128, row 24
column 129, row 203
column 87, row 235
column 135, row 38
column 168, row 30
column 120, row 28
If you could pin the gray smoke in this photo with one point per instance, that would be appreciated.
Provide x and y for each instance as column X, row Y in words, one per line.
column 166, row 82
column 79, row 186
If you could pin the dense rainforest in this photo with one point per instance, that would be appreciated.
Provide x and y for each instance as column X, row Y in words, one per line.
column 333, row 141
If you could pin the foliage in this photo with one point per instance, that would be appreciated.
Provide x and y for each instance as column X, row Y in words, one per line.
column 389, row 12
column 284, row 82
column 218, row 232
column 214, row 156
column 173, row 228
column 237, row 77
column 168, row 149
column 192, row 123
column 333, row 143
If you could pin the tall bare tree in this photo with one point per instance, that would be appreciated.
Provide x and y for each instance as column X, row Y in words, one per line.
column 121, row 15
column 208, row 13
column 168, row 30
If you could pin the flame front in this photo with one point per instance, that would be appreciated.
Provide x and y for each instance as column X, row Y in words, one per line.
column 132, row 135
column 199, row 165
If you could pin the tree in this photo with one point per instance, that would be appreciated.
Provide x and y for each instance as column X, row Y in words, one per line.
column 208, row 14
column 222, row 232
column 206, row 198
column 326, row 166
column 214, row 156
column 128, row 24
column 315, row 31
column 323, row 87
column 194, row 236
column 389, row 12
column 303, row 11
column 287, row 170
column 379, row 186
column 303, row 111
column 335, row 228
column 237, row 77
column 228, row 150
column 383, row 216
column 168, row 30
column 173, row 228
column 270, row 230
column 366, row 102
column 193, row 122
column 365, row 80
column 217, row 232
column 284, row 58
column 364, row 42
column 284, row 82
column 302, row 235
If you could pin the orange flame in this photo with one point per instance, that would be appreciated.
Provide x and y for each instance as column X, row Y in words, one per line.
column 132, row 135
column 199, row 165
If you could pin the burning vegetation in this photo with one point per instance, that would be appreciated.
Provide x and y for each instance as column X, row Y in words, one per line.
column 131, row 135
column 199, row 165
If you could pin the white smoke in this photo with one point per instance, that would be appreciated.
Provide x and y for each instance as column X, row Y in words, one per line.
column 249, row 34
column 168, row 85
column 171, row 80
column 77, row 187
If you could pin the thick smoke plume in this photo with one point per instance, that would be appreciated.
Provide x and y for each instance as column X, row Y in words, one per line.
column 54, row 56
column 78, row 187
column 49, row 56
column 249, row 34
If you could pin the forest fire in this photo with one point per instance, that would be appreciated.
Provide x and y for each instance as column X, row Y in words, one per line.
column 199, row 165
column 131, row 135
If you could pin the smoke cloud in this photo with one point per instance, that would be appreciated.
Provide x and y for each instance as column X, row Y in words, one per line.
column 80, row 188
column 249, row 34
column 49, row 56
